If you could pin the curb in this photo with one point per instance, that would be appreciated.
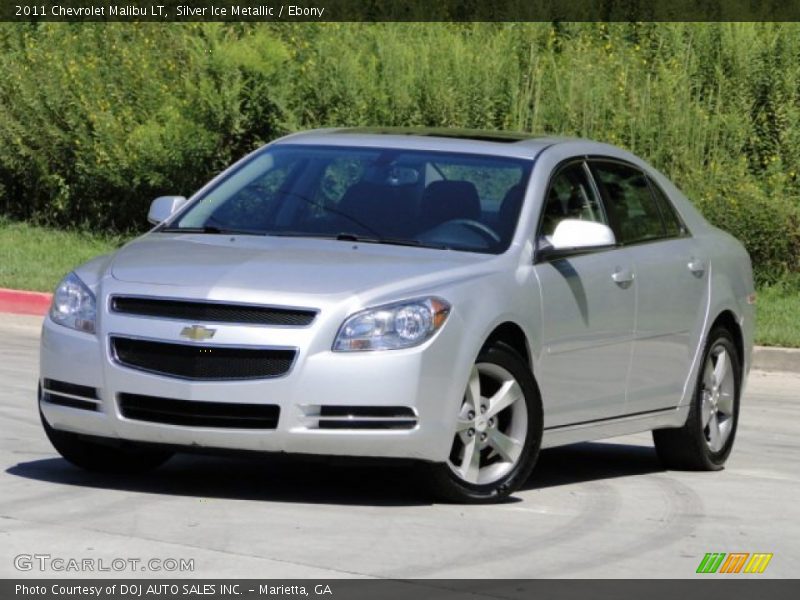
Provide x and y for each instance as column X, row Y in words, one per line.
column 24, row 303
column 765, row 358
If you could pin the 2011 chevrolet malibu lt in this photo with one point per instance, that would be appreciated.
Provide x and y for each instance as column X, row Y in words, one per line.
column 458, row 298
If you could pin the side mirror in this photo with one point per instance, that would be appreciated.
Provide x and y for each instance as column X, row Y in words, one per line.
column 164, row 207
column 573, row 236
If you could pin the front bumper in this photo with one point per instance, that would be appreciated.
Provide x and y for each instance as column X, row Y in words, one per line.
column 423, row 379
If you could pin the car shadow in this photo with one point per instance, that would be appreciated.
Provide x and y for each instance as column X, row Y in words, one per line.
column 270, row 478
column 591, row 461
column 286, row 479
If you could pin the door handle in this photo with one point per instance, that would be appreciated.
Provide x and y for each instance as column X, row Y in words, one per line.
column 696, row 266
column 623, row 277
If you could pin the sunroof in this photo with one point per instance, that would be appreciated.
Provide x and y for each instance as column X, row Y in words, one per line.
column 503, row 137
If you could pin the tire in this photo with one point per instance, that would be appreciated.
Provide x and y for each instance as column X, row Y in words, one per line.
column 697, row 446
column 103, row 458
column 500, row 466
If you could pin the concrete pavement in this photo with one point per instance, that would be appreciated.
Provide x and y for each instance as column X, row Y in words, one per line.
column 603, row 509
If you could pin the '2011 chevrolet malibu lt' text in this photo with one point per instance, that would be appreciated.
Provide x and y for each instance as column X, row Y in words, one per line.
column 458, row 298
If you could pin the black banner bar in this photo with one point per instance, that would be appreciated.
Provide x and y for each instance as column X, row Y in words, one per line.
column 394, row 10
column 711, row 587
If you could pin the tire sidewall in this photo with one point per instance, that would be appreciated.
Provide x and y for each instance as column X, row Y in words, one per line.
column 99, row 457
column 715, row 460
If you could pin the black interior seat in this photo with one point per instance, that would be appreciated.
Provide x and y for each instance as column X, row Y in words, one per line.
column 386, row 210
column 446, row 200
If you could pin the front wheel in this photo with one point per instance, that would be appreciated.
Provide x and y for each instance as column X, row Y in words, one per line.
column 103, row 458
column 706, row 439
column 498, row 431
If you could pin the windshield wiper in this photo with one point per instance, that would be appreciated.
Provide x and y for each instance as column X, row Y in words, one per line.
column 329, row 209
column 350, row 237
column 210, row 229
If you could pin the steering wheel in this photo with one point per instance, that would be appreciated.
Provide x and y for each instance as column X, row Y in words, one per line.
column 484, row 230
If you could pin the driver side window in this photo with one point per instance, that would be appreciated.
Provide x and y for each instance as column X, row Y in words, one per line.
column 570, row 196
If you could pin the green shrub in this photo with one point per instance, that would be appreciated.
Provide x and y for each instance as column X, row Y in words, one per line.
column 100, row 118
column 769, row 227
column 711, row 105
column 97, row 119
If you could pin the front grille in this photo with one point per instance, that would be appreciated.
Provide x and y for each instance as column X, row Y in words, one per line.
column 212, row 311
column 361, row 417
column 70, row 395
column 198, row 414
column 191, row 361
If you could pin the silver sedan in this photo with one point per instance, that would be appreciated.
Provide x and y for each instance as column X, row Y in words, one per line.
column 458, row 298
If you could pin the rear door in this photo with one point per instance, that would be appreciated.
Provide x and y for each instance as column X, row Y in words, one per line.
column 671, row 283
column 588, row 304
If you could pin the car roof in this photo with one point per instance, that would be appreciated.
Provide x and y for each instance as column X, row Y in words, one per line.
column 472, row 141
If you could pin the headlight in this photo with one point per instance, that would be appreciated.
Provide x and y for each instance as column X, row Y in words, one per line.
column 392, row 326
column 74, row 305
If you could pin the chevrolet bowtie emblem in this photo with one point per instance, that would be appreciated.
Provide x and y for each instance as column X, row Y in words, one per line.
column 197, row 333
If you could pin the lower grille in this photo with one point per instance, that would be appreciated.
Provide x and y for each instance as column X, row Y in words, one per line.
column 361, row 417
column 227, row 415
column 70, row 395
column 191, row 361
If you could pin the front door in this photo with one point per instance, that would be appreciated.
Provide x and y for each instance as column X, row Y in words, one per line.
column 588, row 307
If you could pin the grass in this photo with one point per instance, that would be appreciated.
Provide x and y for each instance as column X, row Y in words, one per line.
column 36, row 258
column 778, row 314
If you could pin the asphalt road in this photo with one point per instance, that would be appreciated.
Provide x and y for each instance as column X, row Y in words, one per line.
column 603, row 509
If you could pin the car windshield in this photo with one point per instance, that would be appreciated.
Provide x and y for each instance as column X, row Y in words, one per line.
column 377, row 195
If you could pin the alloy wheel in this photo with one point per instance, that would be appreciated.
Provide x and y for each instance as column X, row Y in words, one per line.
column 718, row 392
column 492, row 426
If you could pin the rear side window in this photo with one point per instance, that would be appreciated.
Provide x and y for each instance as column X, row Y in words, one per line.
column 634, row 214
column 672, row 222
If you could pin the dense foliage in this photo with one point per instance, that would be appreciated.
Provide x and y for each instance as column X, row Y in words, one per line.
column 96, row 119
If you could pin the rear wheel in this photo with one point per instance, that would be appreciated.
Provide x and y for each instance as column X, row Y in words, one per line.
column 706, row 439
column 103, row 458
column 498, row 432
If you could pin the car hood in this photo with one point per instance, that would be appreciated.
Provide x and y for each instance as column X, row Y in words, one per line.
column 212, row 265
